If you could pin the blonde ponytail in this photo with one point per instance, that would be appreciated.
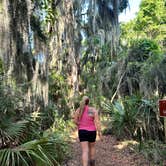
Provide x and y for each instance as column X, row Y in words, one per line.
column 82, row 105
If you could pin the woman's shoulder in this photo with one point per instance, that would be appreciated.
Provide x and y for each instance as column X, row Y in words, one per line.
column 93, row 109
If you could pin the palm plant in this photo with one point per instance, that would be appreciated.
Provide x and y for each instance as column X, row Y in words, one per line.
column 22, row 147
column 25, row 154
column 47, row 150
column 135, row 117
column 41, row 152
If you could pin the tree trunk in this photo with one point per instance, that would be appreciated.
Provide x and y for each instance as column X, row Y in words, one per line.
column 62, row 46
column 17, row 52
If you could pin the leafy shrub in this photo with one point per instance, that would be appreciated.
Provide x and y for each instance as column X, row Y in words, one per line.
column 141, row 50
column 141, row 68
column 135, row 117
column 58, row 92
column 23, row 140
column 154, row 151
column 42, row 152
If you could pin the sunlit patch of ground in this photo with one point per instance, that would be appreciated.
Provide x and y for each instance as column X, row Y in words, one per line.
column 124, row 144
column 74, row 136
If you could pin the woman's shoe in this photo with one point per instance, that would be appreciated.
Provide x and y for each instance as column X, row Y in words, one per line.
column 92, row 162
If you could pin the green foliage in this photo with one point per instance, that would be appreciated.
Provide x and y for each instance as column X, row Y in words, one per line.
column 1, row 67
column 10, row 130
column 143, row 58
column 94, row 69
column 43, row 152
column 160, row 71
column 46, row 15
column 34, row 146
column 150, row 17
column 58, row 92
column 36, row 27
column 141, row 50
column 11, row 124
column 149, row 23
column 154, row 151
column 49, row 7
column 128, row 34
column 58, row 86
column 134, row 117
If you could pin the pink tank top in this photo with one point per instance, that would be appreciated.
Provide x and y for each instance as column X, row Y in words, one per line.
column 86, row 122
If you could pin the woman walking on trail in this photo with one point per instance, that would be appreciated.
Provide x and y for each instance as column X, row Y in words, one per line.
column 87, row 120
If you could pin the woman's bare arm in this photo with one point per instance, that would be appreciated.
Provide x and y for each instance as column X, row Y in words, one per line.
column 97, row 123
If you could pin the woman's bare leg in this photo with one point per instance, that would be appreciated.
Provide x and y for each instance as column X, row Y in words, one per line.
column 92, row 153
column 85, row 152
column 92, row 150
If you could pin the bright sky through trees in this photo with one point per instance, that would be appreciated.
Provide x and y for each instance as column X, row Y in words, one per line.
column 130, row 12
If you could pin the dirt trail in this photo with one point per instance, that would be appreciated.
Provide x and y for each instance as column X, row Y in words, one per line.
column 109, row 152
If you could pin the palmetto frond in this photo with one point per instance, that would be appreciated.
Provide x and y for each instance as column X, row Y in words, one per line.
column 40, row 152
column 10, row 130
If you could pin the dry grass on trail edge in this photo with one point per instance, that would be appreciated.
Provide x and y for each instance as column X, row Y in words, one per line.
column 109, row 152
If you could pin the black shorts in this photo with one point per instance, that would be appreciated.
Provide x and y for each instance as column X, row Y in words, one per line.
column 85, row 135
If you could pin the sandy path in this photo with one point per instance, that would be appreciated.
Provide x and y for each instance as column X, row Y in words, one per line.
column 109, row 152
